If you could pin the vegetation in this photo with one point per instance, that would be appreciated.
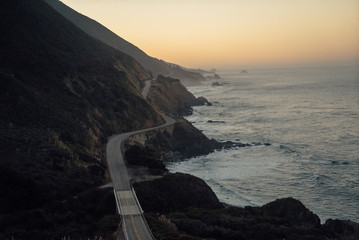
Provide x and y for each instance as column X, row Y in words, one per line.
column 62, row 95
column 90, row 214
column 180, row 206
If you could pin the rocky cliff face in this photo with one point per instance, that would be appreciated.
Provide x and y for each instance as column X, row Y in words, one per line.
column 62, row 94
column 169, row 96
column 174, row 142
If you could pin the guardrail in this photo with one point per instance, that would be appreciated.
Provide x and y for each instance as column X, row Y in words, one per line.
column 148, row 227
column 142, row 215
column 122, row 222
column 120, row 212
column 117, row 203
column 124, row 229
column 136, row 199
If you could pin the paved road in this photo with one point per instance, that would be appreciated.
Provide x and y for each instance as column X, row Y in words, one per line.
column 133, row 222
column 146, row 89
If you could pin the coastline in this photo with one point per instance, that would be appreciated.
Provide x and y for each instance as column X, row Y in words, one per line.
column 176, row 203
column 64, row 93
column 167, row 214
column 275, row 106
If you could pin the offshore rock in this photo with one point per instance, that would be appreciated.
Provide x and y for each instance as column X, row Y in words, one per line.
column 214, row 121
column 216, row 84
column 200, row 101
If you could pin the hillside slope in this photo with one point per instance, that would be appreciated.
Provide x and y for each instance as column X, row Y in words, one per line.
column 63, row 93
column 155, row 66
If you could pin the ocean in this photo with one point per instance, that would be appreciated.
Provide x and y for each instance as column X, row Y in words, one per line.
column 309, row 115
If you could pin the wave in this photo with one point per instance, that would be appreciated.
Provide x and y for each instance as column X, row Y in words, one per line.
column 229, row 196
column 309, row 117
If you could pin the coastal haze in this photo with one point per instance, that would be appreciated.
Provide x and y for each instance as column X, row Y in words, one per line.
column 211, row 33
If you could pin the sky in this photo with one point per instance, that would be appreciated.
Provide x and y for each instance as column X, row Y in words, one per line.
column 215, row 33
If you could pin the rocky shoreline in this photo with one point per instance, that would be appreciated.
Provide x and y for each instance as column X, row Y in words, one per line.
column 181, row 206
column 63, row 93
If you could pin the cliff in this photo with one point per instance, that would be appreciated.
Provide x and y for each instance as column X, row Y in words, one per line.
column 170, row 97
column 177, row 141
column 153, row 65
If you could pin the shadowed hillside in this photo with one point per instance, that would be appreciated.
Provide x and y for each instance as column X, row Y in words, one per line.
column 151, row 64
column 62, row 94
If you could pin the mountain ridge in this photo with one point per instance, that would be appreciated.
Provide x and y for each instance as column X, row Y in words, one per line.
column 63, row 93
column 154, row 65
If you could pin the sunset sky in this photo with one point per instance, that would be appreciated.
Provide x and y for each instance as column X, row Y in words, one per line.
column 214, row 33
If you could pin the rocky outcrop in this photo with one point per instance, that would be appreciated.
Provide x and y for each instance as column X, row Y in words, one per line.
column 173, row 143
column 175, row 192
column 291, row 212
column 169, row 96
column 339, row 229
column 213, row 77
column 216, row 84
column 200, row 101
column 181, row 139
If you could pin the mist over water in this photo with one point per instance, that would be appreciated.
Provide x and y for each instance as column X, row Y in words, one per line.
column 311, row 118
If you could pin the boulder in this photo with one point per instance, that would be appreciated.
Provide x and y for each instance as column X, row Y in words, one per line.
column 175, row 192
column 291, row 212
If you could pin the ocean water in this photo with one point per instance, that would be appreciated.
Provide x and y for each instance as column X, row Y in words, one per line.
column 311, row 118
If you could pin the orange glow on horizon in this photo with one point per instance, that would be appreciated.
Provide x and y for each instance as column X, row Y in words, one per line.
column 216, row 33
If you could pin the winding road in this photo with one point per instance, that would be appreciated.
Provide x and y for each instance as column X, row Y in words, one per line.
column 133, row 222
column 146, row 89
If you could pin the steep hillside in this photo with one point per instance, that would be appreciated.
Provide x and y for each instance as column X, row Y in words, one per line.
column 63, row 93
column 100, row 32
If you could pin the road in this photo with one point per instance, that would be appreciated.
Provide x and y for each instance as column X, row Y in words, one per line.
column 133, row 222
column 146, row 89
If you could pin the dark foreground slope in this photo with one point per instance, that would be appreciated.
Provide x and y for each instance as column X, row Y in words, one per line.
column 100, row 32
column 62, row 94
